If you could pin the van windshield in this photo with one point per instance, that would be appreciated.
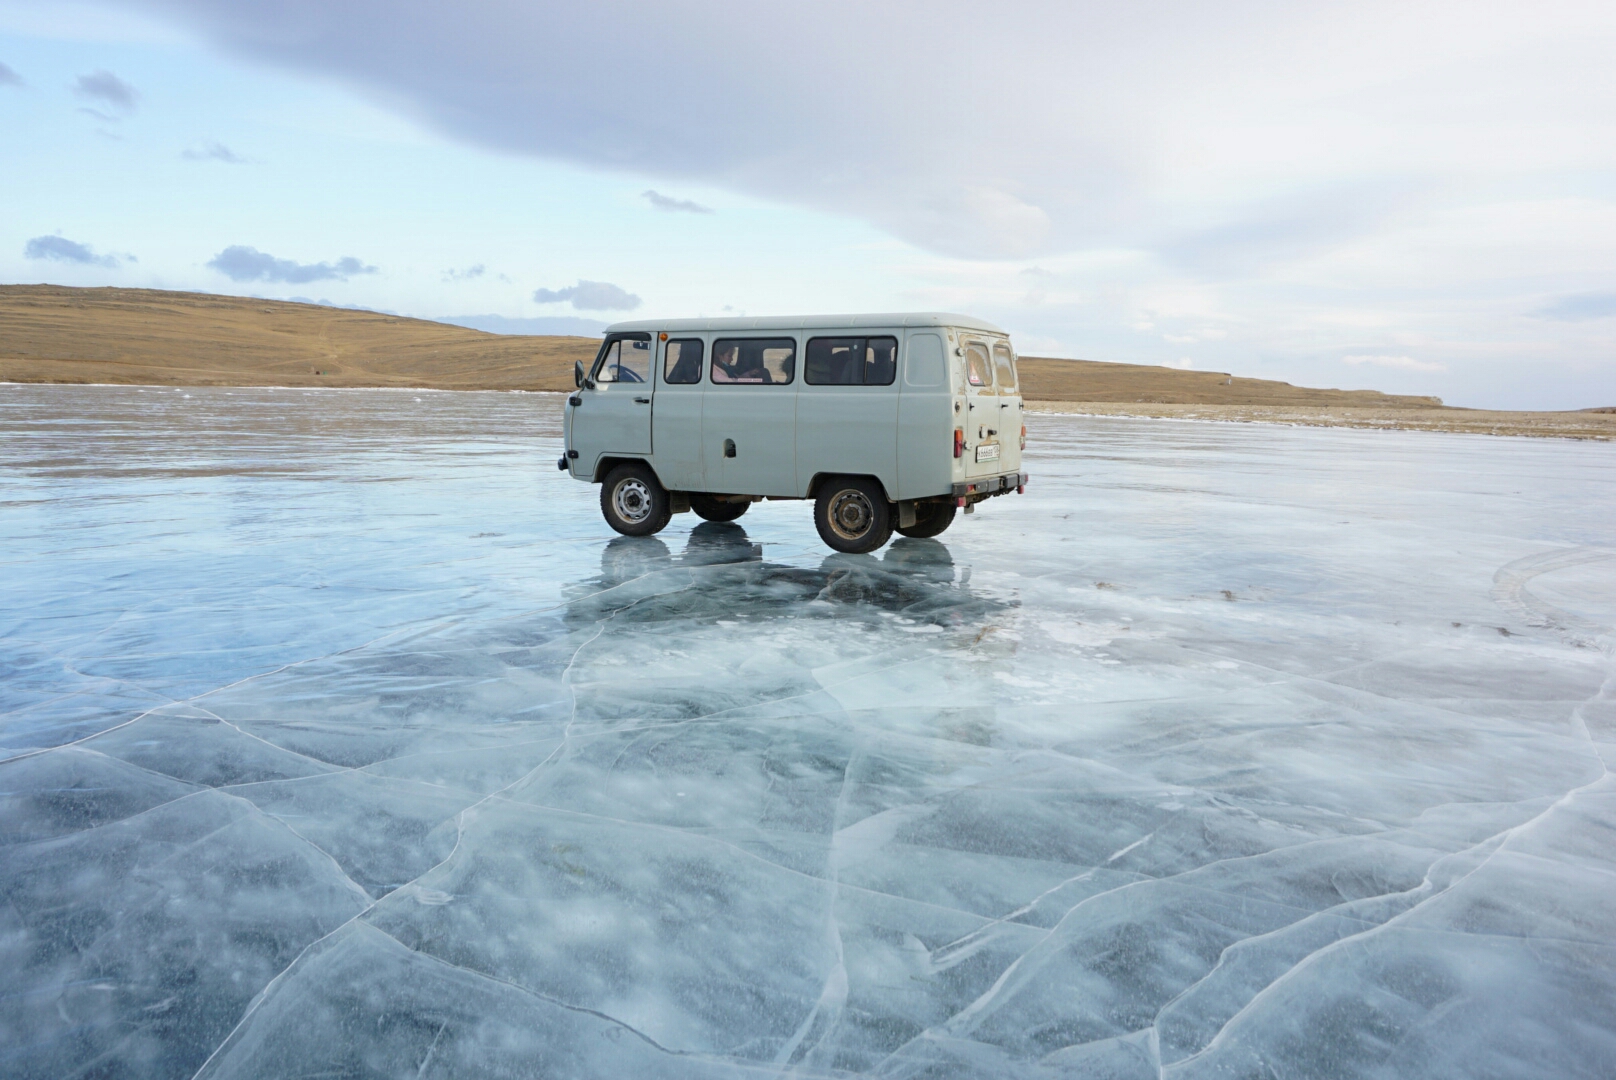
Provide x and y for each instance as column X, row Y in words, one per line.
column 1004, row 367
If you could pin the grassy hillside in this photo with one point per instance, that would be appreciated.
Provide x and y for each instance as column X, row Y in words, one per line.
column 54, row 334
column 1087, row 380
column 146, row 336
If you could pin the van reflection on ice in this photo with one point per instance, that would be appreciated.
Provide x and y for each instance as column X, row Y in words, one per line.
column 722, row 574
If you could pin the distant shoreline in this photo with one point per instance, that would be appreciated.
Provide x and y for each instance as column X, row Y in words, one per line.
column 1589, row 426
column 1585, row 425
column 58, row 335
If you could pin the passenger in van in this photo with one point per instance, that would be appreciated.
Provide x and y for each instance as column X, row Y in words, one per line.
column 751, row 369
column 731, row 366
column 725, row 356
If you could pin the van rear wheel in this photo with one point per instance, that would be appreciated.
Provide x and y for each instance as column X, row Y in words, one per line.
column 852, row 514
column 711, row 509
column 633, row 501
column 930, row 519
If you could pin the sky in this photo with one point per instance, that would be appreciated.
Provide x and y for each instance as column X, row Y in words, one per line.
column 1416, row 198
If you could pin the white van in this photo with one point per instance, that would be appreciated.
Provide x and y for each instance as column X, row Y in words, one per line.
column 885, row 421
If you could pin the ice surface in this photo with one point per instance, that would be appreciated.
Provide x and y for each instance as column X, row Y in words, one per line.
column 340, row 737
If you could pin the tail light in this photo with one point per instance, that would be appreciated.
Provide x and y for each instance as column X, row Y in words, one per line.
column 959, row 442
column 1024, row 436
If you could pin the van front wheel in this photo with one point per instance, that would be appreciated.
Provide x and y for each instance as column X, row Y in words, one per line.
column 852, row 514
column 633, row 501
column 930, row 519
column 710, row 509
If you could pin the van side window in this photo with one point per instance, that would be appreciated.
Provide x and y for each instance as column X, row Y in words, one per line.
column 851, row 361
column 754, row 360
column 626, row 360
column 681, row 361
column 1004, row 368
column 880, row 361
column 976, row 364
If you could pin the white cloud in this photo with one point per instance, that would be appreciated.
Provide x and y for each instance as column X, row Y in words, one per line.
column 106, row 87
column 1231, row 136
column 241, row 263
column 1179, row 339
column 590, row 296
column 669, row 203
column 61, row 249
column 1402, row 363
column 212, row 150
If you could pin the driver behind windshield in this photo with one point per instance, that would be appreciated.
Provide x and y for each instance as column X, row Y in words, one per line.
column 624, row 364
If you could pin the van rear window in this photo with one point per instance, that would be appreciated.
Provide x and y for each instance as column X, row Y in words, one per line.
column 754, row 360
column 1004, row 368
column 976, row 364
column 851, row 361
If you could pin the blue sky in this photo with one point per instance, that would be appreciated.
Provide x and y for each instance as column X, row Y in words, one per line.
column 1417, row 200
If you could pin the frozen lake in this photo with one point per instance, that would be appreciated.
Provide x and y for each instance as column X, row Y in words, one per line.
column 339, row 737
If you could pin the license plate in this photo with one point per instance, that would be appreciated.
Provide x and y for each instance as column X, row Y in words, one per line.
column 988, row 452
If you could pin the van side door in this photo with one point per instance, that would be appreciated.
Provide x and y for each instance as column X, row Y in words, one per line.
column 613, row 414
column 749, row 416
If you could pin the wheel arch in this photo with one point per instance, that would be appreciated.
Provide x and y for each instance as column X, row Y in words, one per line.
column 608, row 462
column 822, row 478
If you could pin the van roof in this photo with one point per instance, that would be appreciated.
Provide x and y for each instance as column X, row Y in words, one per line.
column 808, row 322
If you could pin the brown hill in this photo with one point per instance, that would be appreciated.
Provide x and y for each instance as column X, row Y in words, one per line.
column 1091, row 380
column 54, row 334
column 146, row 336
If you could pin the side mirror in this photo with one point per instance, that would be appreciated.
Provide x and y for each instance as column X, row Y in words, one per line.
column 578, row 373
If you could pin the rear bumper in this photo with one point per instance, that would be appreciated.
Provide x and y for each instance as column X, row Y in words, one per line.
column 988, row 486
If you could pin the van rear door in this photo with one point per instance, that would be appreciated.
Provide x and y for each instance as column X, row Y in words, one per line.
column 983, row 443
column 1010, row 412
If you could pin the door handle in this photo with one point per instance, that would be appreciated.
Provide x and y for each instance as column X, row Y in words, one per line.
column 642, row 401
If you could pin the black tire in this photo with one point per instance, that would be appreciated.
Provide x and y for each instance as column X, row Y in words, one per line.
column 710, row 509
column 852, row 514
column 930, row 519
column 633, row 501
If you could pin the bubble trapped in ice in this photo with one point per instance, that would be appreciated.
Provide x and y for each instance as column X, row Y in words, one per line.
column 341, row 737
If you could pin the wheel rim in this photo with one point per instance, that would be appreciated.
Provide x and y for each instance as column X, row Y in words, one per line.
column 632, row 500
column 851, row 514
